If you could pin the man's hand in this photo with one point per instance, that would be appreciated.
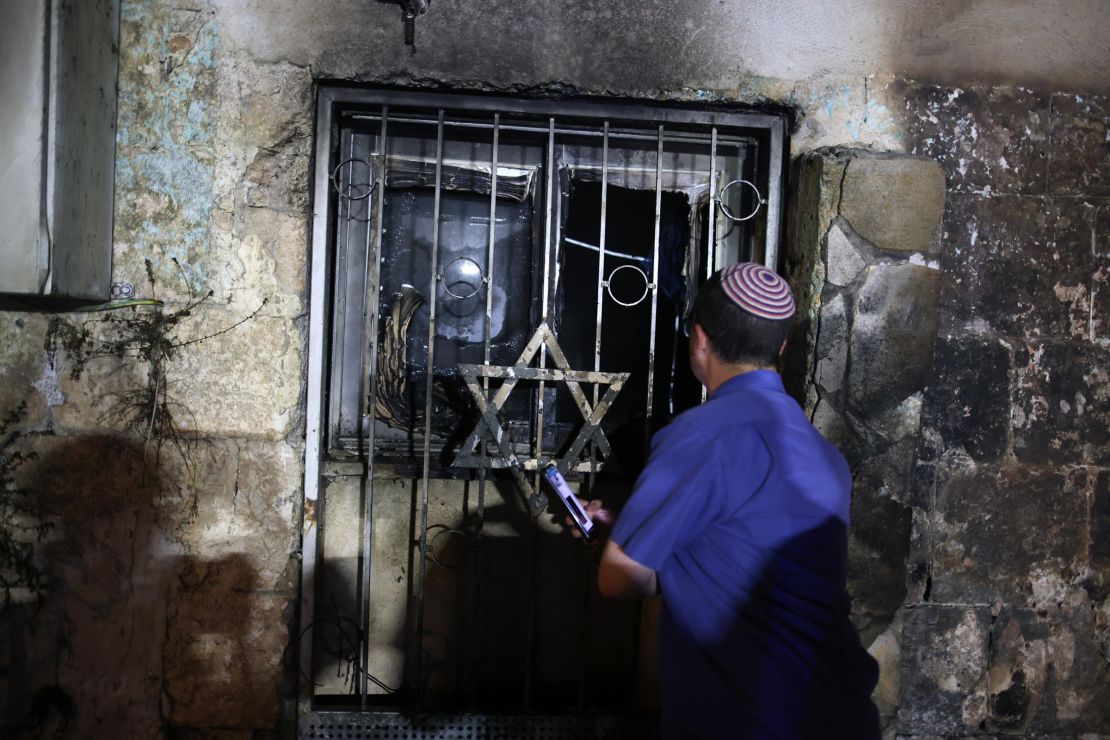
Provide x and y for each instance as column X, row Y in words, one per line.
column 601, row 517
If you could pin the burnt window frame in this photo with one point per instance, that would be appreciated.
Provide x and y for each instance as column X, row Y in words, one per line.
column 323, row 456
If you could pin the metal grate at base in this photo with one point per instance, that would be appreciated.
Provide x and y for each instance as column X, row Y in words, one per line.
column 396, row 726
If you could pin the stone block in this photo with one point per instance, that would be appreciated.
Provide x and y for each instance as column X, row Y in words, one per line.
column 1079, row 130
column 878, row 549
column 1079, row 229
column 831, row 368
column 994, row 138
column 832, row 344
column 858, row 111
column 816, row 201
column 255, row 255
column 1100, row 528
column 813, row 204
column 891, row 346
column 167, row 77
column 836, row 429
column 223, row 379
column 278, row 178
column 1100, row 285
column 886, row 650
column 27, row 374
column 844, row 255
column 944, row 669
column 236, row 500
column 273, row 102
column 895, row 427
column 918, row 576
column 167, row 149
column 967, row 401
column 894, row 202
column 92, row 401
column 1061, row 412
column 79, row 478
column 268, row 259
column 239, row 382
column 1016, row 535
column 1098, row 582
column 1017, row 266
column 223, row 659
column 1046, row 673
column 921, row 491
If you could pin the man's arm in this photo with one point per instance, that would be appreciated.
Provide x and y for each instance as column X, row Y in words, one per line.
column 621, row 577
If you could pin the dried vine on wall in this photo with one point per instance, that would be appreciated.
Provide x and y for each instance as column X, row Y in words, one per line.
column 145, row 334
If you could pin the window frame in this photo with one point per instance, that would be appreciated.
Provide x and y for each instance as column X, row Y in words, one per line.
column 331, row 103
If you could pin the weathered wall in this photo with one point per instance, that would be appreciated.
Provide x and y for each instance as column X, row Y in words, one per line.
column 1011, row 617
column 977, row 509
column 172, row 605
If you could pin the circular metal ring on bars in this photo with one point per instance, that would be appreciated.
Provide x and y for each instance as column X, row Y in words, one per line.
column 350, row 195
column 609, row 285
column 432, row 545
column 759, row 200
column 468, row 273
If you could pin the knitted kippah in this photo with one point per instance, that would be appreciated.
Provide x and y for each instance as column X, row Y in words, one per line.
column 758, row 290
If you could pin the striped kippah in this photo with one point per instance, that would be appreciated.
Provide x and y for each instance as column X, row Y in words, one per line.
column 758, row 290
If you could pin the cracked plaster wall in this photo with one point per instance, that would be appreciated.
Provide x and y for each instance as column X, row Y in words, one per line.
column 172, row 611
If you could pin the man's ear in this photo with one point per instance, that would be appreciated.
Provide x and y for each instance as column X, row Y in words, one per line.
column 699, row 340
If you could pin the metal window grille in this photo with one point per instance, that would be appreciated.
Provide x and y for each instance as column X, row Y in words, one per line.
column 465, row 246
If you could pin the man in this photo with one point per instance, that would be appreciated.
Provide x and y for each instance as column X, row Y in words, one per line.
column 740, row 521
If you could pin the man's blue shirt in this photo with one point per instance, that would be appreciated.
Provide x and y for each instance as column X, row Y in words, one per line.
column 742, row 510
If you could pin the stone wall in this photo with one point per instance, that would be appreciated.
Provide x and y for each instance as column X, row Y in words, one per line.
column 1010, row 608
column 863, row 239
column 979, row 463
column 979, row 512
column 173, row 591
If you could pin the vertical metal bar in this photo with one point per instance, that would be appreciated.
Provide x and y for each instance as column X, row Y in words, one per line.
column 477, row 655
column 544, row 318
column 600, row 308
column 774, row 207
column 370, row 375
column 534, row 532
column 654, row 286
column 492, row 241
column 318, row 300
column 711, row 246
column 601, row 252
column 599, row 315
column 340, row 280
column 432, row 293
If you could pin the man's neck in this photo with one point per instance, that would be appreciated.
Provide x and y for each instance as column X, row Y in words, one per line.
column 721, row 372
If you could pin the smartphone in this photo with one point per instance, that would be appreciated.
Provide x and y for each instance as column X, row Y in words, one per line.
column 574, row 506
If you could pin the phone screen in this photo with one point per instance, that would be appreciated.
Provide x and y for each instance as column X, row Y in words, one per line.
column 574, row 506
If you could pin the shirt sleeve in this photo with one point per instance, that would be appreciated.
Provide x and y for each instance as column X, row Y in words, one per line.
column 682, row 491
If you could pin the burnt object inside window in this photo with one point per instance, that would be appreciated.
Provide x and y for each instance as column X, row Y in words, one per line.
column 623, row 308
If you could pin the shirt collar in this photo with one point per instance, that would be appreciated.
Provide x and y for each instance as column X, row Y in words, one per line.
column 749, row 381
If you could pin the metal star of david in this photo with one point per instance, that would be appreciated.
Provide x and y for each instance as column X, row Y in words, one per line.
column 489, row 424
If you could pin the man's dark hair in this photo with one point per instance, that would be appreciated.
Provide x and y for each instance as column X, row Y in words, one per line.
column 737, row 336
